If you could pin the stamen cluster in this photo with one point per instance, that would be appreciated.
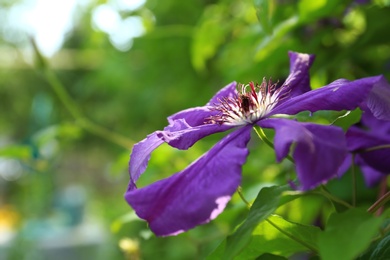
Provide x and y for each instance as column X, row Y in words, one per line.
column 251, row 103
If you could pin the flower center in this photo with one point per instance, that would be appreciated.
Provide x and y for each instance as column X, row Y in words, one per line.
column 251, row 103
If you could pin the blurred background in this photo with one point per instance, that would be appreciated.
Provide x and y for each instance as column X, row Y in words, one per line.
column 104, row 74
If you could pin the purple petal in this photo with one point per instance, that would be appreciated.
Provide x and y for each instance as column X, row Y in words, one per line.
column 228, row 91
column 197, row 194
column 345, row 165
column 193, row 116
column 359, row 139
column 140, row 157
column 339, row 95
column 378, row 100
column 378, row 159
column 319, row 150
column 196, row 116
column 375, row 125
column 182, row 137
column 375, row 133
column 299, row 78
column 371, row 176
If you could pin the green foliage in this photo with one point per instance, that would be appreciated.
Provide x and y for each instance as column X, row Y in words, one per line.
column 209, row 35
column 265, row 12
column 382, row 250
column 274, row 235
column 21, row 152
column 66, row 119
column 353, row 229
column 259, row 211
column 313, row 10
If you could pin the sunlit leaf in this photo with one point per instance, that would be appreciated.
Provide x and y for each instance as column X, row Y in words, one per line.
column 264, row 11
column 277, row 236
column 119, row 166
column 269, row 43
column 347, row 120
column 16, row 151
column 209, row 35
column 264, row 205
column 310, row 10
column 117, row 224
column 270, row 257
column 347, row 234
column 61, row 131
column 382, row 250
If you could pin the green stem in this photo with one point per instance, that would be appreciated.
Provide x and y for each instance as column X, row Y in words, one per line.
column 292, row 236
column 72, row 107
column 323, row 191
column 239, row 191
column 379, row 203
column 61, row 93
column 354, row 185
column 379, row 147
column 107, row 134
column 260, row 133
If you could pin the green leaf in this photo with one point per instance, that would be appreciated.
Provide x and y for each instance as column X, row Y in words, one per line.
column 209, row 35
column 265, row 204
column 270, row 257
column 61, row 131
column 348, row 119
column 264, row 12
column 16, row 151
column 382, row 251
column 347, row 234
column 310, row 10
column 119, row 166
column 118, row 223
column 303, row 235
column 276, row 236
column 269, row 43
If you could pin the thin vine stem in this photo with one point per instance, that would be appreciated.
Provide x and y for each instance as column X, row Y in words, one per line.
column 240, row 193
column 374, row 148
column 70, row 105
column 323, row 191
column 379, row 203
column 354, row 185
column 260, row 133
column 291, row 236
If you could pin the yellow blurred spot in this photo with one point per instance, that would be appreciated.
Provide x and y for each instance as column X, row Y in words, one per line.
column 130, row 248
column 9, row 218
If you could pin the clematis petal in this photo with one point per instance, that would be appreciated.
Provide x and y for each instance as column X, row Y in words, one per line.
column 319, row 150
column 182, row 137
column 140, row 157
column 359, row 140
column 375, row 125
column 197, row 194
column 227, row 91
column 196, row 116
column 192, row 116
column 299, row 77
column 371, row 176
column 345, row 165
column 378, row 101
column 339, row 95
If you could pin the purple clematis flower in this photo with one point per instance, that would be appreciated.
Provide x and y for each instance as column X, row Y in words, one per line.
column 370, row 139
column 200, row 192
